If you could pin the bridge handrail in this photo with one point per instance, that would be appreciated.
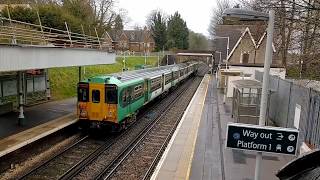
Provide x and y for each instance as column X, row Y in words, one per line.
column 18, row 32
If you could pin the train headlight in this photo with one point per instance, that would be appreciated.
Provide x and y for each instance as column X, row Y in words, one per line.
column 83, row 113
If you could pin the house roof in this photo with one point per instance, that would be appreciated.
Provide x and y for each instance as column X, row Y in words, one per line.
column 134, row 35
column 115, row 35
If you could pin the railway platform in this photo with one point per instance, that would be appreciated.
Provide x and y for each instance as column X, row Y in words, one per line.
column 197, row 148
column 41, row 120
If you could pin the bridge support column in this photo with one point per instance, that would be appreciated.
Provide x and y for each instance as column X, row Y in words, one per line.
column 80, row 73
column 21, row 95
column 48, row 91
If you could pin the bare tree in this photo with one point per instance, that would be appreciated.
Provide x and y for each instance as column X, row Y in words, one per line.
column 216, row 17
column 297, row 24
column 104, row 11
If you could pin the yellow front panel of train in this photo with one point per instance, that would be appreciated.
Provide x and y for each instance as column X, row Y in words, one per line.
column 96, row 103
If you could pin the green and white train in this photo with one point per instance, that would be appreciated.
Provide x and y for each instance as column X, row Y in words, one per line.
column 116, row 98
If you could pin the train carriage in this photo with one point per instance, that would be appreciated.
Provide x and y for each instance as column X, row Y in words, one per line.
column 114, row 99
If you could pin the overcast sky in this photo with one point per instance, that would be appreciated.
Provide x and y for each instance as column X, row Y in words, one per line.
column 196, row 13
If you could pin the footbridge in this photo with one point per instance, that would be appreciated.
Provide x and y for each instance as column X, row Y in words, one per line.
column 25, row 47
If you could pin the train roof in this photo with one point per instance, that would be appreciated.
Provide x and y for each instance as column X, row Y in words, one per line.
column 118, row 78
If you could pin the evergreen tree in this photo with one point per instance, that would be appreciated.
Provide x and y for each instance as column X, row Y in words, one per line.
column 118, row 23
column 157, row 24
column 197, row 41
column 177, row 32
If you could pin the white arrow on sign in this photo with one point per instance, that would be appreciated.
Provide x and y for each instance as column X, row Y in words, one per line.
column 280, row 136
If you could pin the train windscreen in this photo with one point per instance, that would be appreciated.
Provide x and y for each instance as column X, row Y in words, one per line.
column 95, row 96
column 83, row 93
column 111, row 94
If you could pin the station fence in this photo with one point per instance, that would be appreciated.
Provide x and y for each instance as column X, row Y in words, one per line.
column 286, row 99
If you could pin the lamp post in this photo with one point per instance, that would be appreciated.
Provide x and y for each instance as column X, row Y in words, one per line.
column 225, row 78
column 242, row 14
column 265, row 86
column 219, row 66
column 228, row 45
column 220, row 57
column 124, row 61
column 145, row 56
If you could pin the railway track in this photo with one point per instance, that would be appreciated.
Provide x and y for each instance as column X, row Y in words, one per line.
column 74, row 160
column 139, row 158
column 54, row 167
column 112, row 154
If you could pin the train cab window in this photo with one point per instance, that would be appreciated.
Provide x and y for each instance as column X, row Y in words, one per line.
column 95, row 96
column 111, row 95
column 83, row 93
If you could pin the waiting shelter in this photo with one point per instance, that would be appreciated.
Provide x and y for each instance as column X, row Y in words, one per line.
column 246, row 101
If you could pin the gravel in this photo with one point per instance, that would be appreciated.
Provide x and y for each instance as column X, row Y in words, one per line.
column 108, row 156
column 26, row 159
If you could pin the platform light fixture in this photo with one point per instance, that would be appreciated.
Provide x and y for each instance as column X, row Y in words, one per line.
column 255, row 15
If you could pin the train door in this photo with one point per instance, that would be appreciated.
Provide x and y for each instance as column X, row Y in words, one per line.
column 162, row 82
column 125, row 101
column 172, row 80
column 111, row 102
column 96, row 101
column 130, row 99
column 146, row 94
column 83, row 100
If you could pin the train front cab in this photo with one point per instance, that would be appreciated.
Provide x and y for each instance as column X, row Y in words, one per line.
column 97, row 103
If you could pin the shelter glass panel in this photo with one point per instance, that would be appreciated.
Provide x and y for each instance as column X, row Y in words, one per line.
column 30, row 85
column 39, row 84
column 9, row 88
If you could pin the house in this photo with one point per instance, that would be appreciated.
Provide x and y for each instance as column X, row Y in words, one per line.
column 250, row 50
column 246, row 53
column 130, row 40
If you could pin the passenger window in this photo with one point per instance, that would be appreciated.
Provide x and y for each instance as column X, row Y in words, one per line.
column 95, row 96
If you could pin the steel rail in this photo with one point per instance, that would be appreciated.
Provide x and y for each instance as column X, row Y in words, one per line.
column 24, row 176
column 127, row 151
column 159, row 153
column 76, row 169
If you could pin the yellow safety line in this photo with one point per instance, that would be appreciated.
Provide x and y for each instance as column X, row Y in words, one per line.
column 195, row 139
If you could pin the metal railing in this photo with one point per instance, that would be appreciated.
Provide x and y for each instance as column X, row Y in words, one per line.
column 17, row 32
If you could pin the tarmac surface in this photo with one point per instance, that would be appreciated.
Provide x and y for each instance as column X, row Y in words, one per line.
column 35, row 116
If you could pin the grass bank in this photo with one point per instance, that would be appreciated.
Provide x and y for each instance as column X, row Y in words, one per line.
column 64, row 80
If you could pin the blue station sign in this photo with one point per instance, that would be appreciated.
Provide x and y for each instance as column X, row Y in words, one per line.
column 262, row 138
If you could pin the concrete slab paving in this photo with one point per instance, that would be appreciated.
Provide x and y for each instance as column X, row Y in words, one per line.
column 35, row 115
column 16, row 141
column 176, row 160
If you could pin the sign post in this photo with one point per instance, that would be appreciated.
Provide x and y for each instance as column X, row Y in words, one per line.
column 262, row 138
